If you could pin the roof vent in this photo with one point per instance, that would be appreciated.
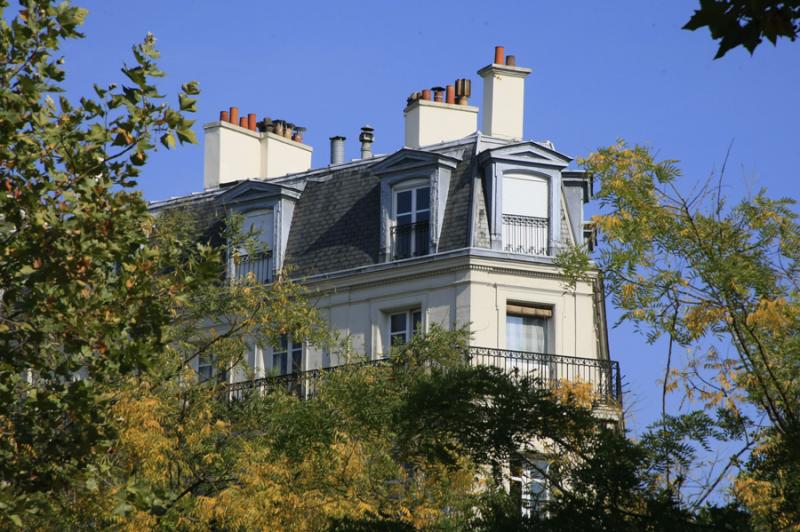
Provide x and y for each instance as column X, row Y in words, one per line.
column 337, row 149
column 367, row 137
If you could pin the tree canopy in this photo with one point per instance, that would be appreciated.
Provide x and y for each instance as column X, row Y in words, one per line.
column 720, row 281
column 746, row 22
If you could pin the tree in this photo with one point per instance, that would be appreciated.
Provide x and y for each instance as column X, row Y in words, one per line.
column 746, row 23
column 102, row 309
column 723, row 282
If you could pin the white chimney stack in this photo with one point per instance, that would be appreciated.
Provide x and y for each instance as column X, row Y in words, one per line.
column 236, row 150
column 503, row 97
column 439, row 115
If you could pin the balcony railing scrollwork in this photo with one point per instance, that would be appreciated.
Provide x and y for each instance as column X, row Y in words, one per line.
column 526, row 235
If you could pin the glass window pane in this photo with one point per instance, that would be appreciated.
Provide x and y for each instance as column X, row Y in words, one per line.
column 205, row 367
column 404, row 219
column 279, row 363
column 423, row 216
column 423, row 198
column 404, row 201
column 416, row 321
column 398, row 323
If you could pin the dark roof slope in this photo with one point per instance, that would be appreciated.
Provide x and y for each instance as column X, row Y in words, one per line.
column 336, row 224
column 455, row 226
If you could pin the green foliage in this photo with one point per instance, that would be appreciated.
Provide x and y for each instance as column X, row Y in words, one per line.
column 746, row 23
column 79, row 292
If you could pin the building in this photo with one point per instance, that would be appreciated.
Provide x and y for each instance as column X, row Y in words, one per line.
column 459, row 226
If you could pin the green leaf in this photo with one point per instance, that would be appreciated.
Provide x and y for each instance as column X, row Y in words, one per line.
column 187, row 104
column 168, row 140
column 186, row 136
column 192, row 88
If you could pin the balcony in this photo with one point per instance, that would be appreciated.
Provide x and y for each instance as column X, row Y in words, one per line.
column 410, row 240
column 601, row 376
column 526, row 235
column 259, row 264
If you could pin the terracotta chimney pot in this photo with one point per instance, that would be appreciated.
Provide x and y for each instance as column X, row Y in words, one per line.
column 499, row 53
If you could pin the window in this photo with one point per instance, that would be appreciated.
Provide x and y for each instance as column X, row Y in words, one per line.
column 205, row 367
column 529, row 483
column 404, row 325
column 287, row 357
column 412, row 214
column 257, row 261
column 525, row 218
column 527, row 328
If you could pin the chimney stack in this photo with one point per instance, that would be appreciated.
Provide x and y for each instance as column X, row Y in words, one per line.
column 238, row 148
column 503, row 96
column 366, row 138
column 439, row 114
column 337, row 149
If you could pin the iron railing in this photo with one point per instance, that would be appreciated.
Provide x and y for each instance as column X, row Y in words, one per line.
column 526, row 235
column 411, row 240
column 303, row 384
column 601, row 376
column 259, row 264
column 551, row 371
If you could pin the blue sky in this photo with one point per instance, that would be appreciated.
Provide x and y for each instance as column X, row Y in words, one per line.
column 601, row 70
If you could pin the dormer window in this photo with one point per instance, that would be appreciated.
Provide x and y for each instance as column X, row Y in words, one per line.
column 523, row 188
column 255, row 259
column 411, row 220
column 414, row 188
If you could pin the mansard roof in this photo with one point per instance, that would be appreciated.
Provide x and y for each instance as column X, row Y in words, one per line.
column 336, row 218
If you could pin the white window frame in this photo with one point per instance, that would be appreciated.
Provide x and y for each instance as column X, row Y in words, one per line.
column 205, row 367
column 530, row 475
column 292, row 349
column 412, row 186
column 411, row 327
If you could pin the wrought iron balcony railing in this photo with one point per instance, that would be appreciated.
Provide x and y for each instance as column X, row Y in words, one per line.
column 411, row 240
column 602, row 377
column 525, row 235
column 259, row 264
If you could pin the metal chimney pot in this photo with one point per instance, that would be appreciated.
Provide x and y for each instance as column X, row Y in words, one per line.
column 366, row 138
column 337, row 149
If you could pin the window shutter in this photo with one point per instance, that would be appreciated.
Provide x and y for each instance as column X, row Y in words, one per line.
column 519, row 309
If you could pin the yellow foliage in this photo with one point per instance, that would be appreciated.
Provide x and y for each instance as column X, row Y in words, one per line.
column 776, row 316
column 145, row 443
column 574, row 392
column 343, row 481
column 700, row 317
